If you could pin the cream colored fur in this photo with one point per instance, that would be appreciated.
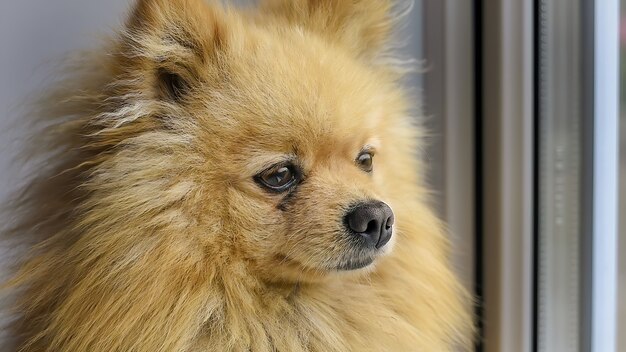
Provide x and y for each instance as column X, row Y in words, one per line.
column 148, row 233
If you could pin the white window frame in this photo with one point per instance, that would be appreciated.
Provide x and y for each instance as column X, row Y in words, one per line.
column 605, row 182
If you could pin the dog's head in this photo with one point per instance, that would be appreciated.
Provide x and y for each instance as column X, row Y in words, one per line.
column 282, row 133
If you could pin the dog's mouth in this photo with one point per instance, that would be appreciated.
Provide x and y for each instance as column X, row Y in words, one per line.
column 361, row 256
column 352, row 254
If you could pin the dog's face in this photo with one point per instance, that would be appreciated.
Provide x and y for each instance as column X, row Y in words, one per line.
column 306, row 153
column 291, row 128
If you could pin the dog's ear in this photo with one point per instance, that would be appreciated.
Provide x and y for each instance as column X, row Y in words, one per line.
column 363, row 26
column 170, row 38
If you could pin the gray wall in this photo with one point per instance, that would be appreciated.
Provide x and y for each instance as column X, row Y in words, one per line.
column 34, row 37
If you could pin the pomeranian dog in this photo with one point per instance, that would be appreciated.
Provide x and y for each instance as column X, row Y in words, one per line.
column 216, row 179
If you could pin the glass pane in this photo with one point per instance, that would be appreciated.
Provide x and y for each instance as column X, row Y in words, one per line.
column 560, row 177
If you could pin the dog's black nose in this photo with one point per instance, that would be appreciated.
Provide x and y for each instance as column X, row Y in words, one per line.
column 372, row 221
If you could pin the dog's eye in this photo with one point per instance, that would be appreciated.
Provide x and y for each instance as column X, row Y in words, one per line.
column 278, row 178
column 365, row 161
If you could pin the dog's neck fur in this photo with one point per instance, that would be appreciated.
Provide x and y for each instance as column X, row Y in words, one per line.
column 324, row 316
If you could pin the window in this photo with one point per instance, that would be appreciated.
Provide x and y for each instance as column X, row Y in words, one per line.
column 532, row 93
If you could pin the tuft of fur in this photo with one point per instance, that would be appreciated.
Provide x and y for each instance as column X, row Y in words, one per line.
column 147, row 232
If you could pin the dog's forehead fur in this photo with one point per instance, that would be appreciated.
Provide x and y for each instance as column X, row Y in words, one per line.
column 296, row 90
column 291, row 81
column 299, row 101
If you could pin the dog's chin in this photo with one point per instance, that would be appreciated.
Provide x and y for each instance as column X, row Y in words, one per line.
column 356, row 264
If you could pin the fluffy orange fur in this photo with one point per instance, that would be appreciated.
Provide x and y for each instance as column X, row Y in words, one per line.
column 147, row 231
